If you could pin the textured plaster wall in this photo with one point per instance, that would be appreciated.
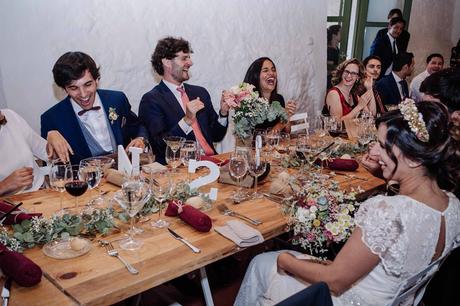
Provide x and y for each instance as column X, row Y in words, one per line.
column 434, row 28
column 121, row 35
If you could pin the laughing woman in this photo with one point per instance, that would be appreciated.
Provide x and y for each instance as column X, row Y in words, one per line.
column 262, row 74
column 395, row 236
column 342, row 100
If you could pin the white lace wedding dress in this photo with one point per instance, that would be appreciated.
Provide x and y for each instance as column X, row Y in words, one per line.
column 400, row 230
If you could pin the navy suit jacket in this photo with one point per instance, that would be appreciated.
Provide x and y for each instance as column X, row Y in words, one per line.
column 388, row 90
column 61, row 117
column 403, row 38
column 160, row 112
column 381, row 46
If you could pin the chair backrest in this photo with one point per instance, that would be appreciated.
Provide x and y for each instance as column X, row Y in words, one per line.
column 299, row 122
column 415, row 285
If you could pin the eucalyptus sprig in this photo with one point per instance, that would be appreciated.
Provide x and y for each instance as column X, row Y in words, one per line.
column 41, row 230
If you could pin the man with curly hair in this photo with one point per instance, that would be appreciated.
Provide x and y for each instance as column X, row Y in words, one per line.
column 173, row 108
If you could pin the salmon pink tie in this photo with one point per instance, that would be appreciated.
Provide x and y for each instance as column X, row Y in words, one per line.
column 195, row 125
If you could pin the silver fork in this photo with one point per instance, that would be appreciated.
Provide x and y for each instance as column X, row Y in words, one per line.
column 228, row 212
column 114, row 253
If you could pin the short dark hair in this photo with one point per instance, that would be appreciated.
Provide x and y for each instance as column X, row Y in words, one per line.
column 371, row 57
column 396, row 20
column 401, row 59
column 333, row 30
column 430, row 57
column 253, row 75
column 439, row 155
column 167, row 48
column 72, row 66
column 395, row 11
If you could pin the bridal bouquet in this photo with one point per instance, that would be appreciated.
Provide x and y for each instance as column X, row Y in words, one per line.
column 251, row 109
column 320, row 214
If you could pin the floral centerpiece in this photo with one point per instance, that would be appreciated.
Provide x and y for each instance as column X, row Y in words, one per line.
column 320, row 214
column 251, row 109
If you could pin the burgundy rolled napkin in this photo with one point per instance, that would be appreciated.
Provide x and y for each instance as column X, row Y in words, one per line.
column 215, row 160
column 17, row 216
column 20, row 268
column 339, row 164
column 190, row 215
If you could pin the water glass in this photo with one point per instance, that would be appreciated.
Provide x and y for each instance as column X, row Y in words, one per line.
column 161, row 191
column 238, row 167
column 257, row 165
column 60, row 174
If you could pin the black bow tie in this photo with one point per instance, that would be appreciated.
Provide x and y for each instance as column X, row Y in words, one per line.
column 80, row 113
column 3, row 121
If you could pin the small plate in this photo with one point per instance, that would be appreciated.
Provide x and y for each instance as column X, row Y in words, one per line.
column 61, row 249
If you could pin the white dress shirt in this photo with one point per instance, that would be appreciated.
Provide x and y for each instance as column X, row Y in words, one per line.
column 20, row 144
column 415, row 86
column 183, row 125
column 96, row 123
column 392, row 41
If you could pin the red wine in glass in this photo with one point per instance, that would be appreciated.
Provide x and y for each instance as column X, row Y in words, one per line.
column 76, row 188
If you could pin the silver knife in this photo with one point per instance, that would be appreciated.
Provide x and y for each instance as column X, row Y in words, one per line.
column 178, row 237
column 6, row 291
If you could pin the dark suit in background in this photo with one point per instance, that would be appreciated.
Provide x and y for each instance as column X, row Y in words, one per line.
column 388, row 90
column 381, row 46
column 61, row 117
column 160, row 112
column 402, row 40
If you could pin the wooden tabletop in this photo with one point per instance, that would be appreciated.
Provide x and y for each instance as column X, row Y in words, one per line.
column 98, row 279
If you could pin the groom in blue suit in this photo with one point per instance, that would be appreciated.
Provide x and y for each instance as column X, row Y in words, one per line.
column 93, row 121
column 173, row 108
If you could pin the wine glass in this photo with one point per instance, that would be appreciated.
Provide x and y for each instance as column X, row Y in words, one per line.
column 283, row 144
column 318, row 125
column 75, row 186
column 257, row 165
column 146, row 159
column 60, row 174
column 172, row 154
column 161, row 191
column 303, row 147
column 132, row 197
column 91, row 173
column 188, row 151
column 238, row 167
column 104, row 163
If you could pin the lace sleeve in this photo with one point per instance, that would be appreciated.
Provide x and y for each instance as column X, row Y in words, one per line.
column 382, row 232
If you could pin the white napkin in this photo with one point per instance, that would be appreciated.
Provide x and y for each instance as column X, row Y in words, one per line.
column 240, row 233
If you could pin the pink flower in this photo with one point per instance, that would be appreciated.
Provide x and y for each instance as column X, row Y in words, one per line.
column 311, row 202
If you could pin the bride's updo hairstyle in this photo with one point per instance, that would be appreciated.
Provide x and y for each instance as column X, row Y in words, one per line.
column 435, row 149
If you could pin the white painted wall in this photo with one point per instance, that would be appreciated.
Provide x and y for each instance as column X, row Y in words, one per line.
column 121, row 35
column 434, row 28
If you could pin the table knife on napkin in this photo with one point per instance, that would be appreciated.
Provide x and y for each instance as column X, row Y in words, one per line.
column 178, row 237
column 6, row 291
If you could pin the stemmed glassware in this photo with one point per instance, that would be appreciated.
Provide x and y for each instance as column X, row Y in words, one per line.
column 238, row 167
column 60, row 174
column 257, row 165
column 172, row 153
column 104, row 163
column 188, row 151
column 76, row 186
column 91, row 173
column 146, row 159
column 303, row 147
column 161, row 190
column 132, row 197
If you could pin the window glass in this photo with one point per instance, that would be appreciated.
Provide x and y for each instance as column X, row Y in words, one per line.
column 378, row 9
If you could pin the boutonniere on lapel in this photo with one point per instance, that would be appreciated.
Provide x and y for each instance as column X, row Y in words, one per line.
column 113, row 116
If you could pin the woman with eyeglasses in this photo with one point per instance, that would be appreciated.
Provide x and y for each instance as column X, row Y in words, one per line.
column 342, row 100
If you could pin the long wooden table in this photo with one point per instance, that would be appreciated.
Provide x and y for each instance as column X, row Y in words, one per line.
column 97, row 279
